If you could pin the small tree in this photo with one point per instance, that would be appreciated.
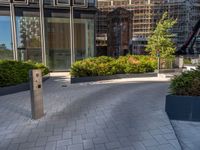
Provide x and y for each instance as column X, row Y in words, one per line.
column 161, row 39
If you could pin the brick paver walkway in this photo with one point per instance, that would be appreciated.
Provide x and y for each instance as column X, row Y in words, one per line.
column 122, row 116
column 188, row 133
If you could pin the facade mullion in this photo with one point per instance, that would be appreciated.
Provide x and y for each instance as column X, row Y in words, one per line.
column 13, row 29
column 43, row 41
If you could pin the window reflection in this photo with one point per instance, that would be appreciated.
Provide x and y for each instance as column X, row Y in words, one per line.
column 83, row 38
column 63, row 2
column 29, row 37
column 79, row 2
column 5, row 38
column 19, row 1
column 58, row 43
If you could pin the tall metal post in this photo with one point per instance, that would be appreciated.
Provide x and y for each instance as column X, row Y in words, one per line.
column 42, row 28
column 72, row 32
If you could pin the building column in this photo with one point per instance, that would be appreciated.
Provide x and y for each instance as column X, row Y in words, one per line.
column 42, row 28
column 13, row 31
column 86, row 38
column 72, row 34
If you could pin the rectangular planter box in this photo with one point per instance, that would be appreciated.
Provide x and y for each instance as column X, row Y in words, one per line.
column 185, row 108
column 17, row 88
column 117, row 76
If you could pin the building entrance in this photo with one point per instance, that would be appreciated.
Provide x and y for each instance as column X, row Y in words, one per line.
column 58, row 44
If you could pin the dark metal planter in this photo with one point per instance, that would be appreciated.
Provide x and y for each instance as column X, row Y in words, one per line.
column 185, row 108
column 17, row 88
column 117, row 76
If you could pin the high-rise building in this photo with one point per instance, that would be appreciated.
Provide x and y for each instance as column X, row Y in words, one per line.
column 145, row 15
column 42, row 31
column 187, row 13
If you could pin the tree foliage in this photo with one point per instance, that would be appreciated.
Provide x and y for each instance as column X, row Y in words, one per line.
column 161, row 39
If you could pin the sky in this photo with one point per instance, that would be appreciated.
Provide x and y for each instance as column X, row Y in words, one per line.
column 5, row 31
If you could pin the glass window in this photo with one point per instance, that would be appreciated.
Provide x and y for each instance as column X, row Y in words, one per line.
column 84, row 36
column 28, row 35
column 5, row 38
column 80, row 2
column 4, row 1
column 91, row 2
column 19, row 1
column 58, row 52
column 63, row 2
column 33, row 1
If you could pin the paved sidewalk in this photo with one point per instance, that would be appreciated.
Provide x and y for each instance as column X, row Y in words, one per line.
column 111, row 116
column 188, row 133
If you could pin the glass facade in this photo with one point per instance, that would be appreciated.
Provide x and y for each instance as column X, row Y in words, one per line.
column 5, row 35
column 83, row 35
column 28, row 35
column 41, row 33
column 58, row 52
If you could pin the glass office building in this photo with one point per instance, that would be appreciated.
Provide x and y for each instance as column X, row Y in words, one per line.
column 40, row 30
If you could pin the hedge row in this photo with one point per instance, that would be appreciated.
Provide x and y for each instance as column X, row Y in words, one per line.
column 16, row 72
column 101, row 66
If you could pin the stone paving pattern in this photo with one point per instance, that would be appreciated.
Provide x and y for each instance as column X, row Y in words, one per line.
column 121, row 116
column 188, row 134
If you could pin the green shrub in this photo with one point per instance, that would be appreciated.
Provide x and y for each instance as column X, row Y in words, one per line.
column 187, row 61
column 6, row 54
column 16, row 72
column 100, row 66
column 188, row 83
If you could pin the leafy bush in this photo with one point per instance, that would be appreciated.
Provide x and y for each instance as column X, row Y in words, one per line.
column 16, row 72
column 187, row 61
column 100, row 66
column 188, row 83
column 6, row 54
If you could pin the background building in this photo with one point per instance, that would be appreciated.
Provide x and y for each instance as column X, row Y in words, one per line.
column 40, row 30
column 119, row 32
column 145, row 15
column 187, row 14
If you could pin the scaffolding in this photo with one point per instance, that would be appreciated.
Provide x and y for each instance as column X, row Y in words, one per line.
column 146, row 14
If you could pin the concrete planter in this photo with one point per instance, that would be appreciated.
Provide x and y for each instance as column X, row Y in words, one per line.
column 17, row 88
column 117, row 76
column 183, row 107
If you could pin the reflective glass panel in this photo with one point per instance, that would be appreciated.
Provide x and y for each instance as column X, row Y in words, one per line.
column 5, row 36
column 3, row 1
column 79, row 2
column 63, row 1
column 19, row 1
column 84, row 37
column 58, row 52
column 28, row 36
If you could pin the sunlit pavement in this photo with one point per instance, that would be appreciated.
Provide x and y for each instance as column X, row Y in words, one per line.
column 120, row 114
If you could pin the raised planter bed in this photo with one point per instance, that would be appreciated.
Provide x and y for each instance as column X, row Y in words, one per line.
column 185, row 108
column 17, row 88
column 117, row 76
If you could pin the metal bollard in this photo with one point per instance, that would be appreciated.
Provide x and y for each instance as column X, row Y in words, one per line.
column 37, row 109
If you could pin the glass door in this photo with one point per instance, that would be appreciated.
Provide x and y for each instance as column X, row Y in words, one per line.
column 58, row 52
column 84, row 36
